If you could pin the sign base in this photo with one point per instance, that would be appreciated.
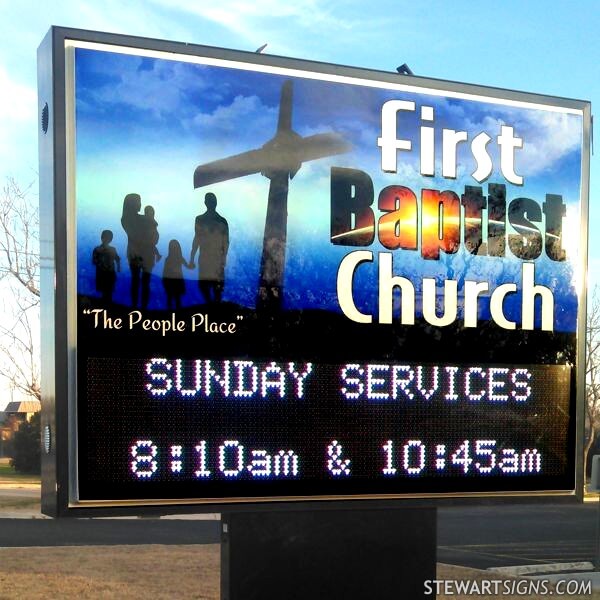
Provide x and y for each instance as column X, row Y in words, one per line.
column 333, row 554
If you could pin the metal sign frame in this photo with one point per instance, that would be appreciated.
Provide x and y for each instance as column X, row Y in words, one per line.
column 59, row 366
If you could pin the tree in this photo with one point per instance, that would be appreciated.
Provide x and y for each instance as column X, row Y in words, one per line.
column 592, row 373
column 19, row 273
column 26, row 446
column 19, row 237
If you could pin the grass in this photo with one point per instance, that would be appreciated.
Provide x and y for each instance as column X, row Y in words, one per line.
column 119, row 572
column 12, row 504
column 11, row 481
column 9, row 476
column 132, row 572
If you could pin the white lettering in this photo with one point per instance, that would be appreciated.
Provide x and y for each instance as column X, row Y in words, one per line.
column 389, row 132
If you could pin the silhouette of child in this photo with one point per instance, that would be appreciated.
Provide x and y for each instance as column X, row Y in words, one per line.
column 149, row 214
column 172, row 279
column 104, row 257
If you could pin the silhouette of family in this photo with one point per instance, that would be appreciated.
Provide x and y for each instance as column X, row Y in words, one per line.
column 211, row 241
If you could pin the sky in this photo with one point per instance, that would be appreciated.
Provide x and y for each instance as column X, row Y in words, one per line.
column 536, row 46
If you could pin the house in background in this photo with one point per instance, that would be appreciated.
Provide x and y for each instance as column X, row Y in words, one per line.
column 14, row 414
column 23, row 410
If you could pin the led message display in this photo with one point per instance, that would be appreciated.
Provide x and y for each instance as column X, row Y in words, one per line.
column 247, row 427
column 294, row 282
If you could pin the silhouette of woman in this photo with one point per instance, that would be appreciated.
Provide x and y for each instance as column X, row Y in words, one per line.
column 140, row 248
column 173, row 281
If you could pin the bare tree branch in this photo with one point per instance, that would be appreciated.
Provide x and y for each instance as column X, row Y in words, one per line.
column 19, row 238
column 19, row 274
column 592, row 372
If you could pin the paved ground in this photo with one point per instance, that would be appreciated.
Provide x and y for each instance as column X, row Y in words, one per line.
column 483, row 537
column 101, row 532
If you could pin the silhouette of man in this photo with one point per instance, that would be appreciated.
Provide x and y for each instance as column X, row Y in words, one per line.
column 212, row 240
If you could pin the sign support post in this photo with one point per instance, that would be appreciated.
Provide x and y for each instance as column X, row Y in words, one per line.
column 340, row 555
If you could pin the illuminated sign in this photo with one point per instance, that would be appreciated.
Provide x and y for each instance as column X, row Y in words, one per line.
column 291, row 281
column 280, row 427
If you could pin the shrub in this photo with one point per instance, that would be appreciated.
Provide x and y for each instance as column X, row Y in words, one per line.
column 26, row 446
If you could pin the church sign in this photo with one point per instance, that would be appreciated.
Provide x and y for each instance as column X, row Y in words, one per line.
column 273, row 280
